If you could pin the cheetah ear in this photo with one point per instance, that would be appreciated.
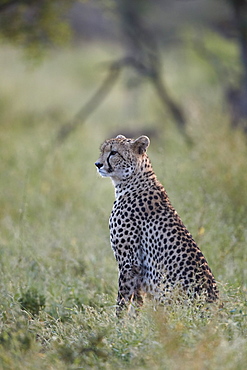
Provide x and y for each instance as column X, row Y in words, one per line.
column 141, row 144
column 120, row 137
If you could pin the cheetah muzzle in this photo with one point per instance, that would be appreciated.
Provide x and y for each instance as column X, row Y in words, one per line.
column 155, row 252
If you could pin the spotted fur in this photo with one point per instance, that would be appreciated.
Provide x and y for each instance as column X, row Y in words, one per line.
column 155, row 252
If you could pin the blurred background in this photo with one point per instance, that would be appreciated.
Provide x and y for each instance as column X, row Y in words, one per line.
column 164, row 46
column 74, row 73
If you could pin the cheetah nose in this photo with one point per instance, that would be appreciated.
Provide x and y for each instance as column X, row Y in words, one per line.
column 98, row 164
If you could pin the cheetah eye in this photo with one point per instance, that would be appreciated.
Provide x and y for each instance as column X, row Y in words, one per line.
column 113, row 152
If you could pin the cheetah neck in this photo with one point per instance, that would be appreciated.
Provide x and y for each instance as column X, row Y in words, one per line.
column 142, row 179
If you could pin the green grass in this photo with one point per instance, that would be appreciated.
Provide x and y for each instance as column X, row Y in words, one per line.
column 58, row 274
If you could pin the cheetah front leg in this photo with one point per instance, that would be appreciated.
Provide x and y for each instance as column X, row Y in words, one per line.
column 128, row 288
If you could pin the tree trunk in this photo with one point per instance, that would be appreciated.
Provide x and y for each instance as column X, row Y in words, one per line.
column 240, row 12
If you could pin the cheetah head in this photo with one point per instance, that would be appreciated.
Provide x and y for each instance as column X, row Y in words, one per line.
column 120, row 157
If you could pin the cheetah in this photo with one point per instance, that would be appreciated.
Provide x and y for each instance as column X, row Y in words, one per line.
column 154, row 250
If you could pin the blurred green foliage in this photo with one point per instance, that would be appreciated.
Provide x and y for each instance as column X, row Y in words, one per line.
column 35, row 25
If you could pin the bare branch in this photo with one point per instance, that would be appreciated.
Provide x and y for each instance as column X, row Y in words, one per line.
column 108, row 83
column 93, row 103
